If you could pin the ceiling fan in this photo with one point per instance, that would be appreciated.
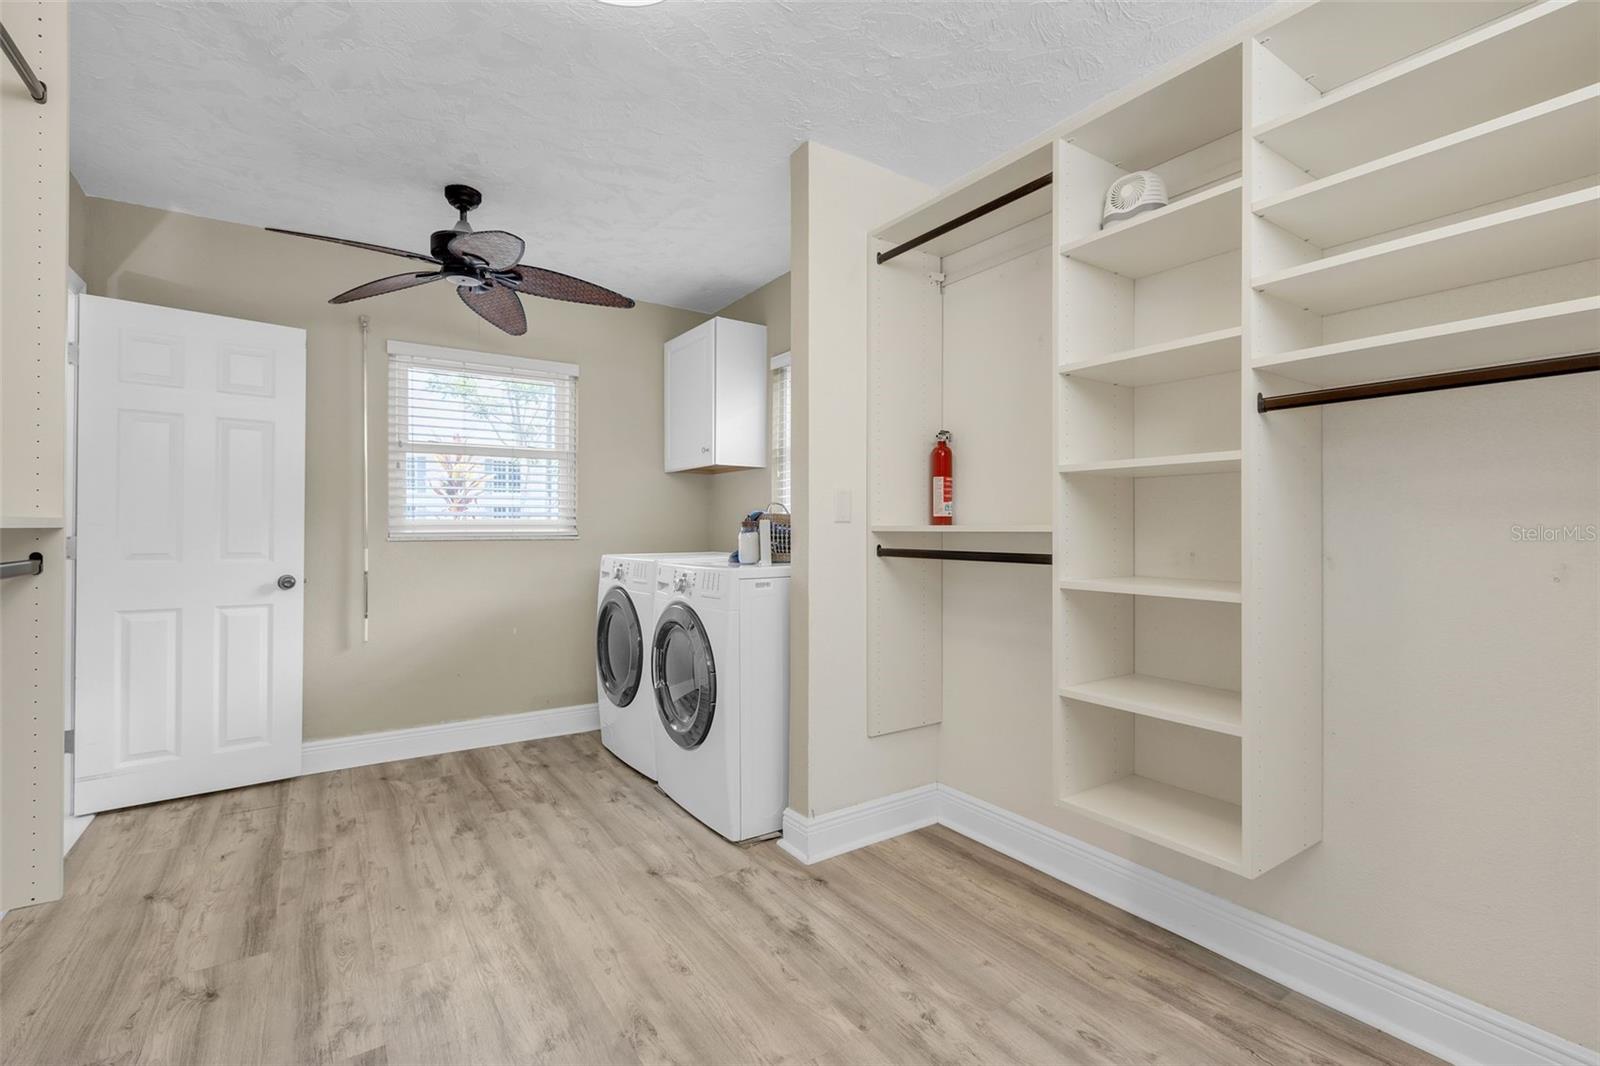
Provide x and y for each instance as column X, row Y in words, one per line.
column 483, row 266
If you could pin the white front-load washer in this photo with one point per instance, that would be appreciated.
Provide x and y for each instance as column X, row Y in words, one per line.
column 720, row 678
column 622, row 655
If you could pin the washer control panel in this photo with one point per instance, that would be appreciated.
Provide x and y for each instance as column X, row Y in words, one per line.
column 689, row 583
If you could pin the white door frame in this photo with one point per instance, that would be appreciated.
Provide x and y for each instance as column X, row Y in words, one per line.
column 74, row 824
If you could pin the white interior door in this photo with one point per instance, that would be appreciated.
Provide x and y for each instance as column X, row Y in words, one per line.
column 191, row 500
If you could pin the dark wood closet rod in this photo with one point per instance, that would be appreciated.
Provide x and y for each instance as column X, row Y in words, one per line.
column 951, row 556
column 36, row 88
column 29, row 567
column 1453, row 379
column 961, row 220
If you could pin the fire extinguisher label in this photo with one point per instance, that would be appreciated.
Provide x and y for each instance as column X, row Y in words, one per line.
column 944, row 505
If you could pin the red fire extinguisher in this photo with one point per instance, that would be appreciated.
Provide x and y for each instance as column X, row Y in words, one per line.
column 942, row 464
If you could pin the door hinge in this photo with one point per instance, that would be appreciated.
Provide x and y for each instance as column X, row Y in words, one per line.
column 72, row 353
column 69, row 742
column 937, row 279
column 72, row 547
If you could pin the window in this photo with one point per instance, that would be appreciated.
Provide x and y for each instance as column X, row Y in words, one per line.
column 481, row 446
column 780, row 429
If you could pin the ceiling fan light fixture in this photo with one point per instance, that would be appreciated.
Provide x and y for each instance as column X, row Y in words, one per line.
column 482, row 265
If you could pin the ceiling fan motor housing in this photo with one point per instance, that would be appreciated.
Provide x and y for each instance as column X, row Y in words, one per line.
column 439, row 248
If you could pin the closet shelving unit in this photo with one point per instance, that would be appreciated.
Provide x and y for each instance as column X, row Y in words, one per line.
column 1360, row 192
column 960, row 340
column 1460, row 230
column 1353, row 202
column 1438, row 210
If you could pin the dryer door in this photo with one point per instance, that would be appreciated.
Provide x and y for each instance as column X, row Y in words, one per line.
column 619, row 647
column 685, row 676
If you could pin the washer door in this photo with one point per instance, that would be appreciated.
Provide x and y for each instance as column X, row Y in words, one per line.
column 685, row 676
column 619, row 647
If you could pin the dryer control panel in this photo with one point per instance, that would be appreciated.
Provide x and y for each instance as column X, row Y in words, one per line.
column 690, row 583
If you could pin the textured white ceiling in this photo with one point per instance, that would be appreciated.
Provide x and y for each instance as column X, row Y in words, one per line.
column 643, row 148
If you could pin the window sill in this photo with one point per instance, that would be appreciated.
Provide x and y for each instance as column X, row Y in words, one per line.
column 486, row 534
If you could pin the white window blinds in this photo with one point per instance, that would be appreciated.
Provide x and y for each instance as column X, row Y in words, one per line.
column 780, row 429
column 481, row 446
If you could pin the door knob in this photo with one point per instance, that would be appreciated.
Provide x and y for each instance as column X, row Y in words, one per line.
column 286, row 582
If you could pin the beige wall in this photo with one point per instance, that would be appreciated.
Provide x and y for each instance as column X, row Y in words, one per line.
column 736, row 494
column 835, row 200
column 459, row 629
column 77, row 227
column 1460, row 704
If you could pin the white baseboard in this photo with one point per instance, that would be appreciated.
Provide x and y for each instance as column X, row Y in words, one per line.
column 1429, row 1017
column 73, row 829
column 365, row 749
column 826, row 835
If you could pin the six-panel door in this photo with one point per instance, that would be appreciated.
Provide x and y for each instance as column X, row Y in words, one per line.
column 191, row 486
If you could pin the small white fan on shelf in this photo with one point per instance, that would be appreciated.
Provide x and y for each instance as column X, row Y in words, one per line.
column 1143, row 190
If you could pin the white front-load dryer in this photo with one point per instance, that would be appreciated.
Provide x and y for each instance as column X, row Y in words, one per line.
column 622, row 655
column 720, row 680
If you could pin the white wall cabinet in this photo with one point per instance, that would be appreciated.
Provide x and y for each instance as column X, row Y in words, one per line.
column 716, row 397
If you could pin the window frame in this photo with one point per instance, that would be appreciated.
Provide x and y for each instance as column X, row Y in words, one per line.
column 401, row 357
column 781, row 361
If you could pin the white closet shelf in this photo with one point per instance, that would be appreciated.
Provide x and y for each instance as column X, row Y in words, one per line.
column 1160, row 465
column 1171, row 588
column 1216, row 352
column 1542, row 51
column 32, row 522
column 1564, row 328
column 1547, row 233
column 1185, row 231
column 1215, row 709
column 1539, row 147
column 1338, row 43
column 964, row 528
column 1169, row 119
column 1199, row 826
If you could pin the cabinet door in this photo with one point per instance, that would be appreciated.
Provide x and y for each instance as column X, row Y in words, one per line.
column 691, row 363
column 742, row 372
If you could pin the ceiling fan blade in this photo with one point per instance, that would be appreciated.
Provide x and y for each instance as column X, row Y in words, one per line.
column 383, row 285
column 356, row 244
column 498, row 306
column 537, row 281
column 498, row 249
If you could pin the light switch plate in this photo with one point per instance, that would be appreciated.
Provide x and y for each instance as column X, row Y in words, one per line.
column 841, row 506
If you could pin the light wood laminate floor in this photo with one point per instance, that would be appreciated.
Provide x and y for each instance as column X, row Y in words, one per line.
column 540, row 902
